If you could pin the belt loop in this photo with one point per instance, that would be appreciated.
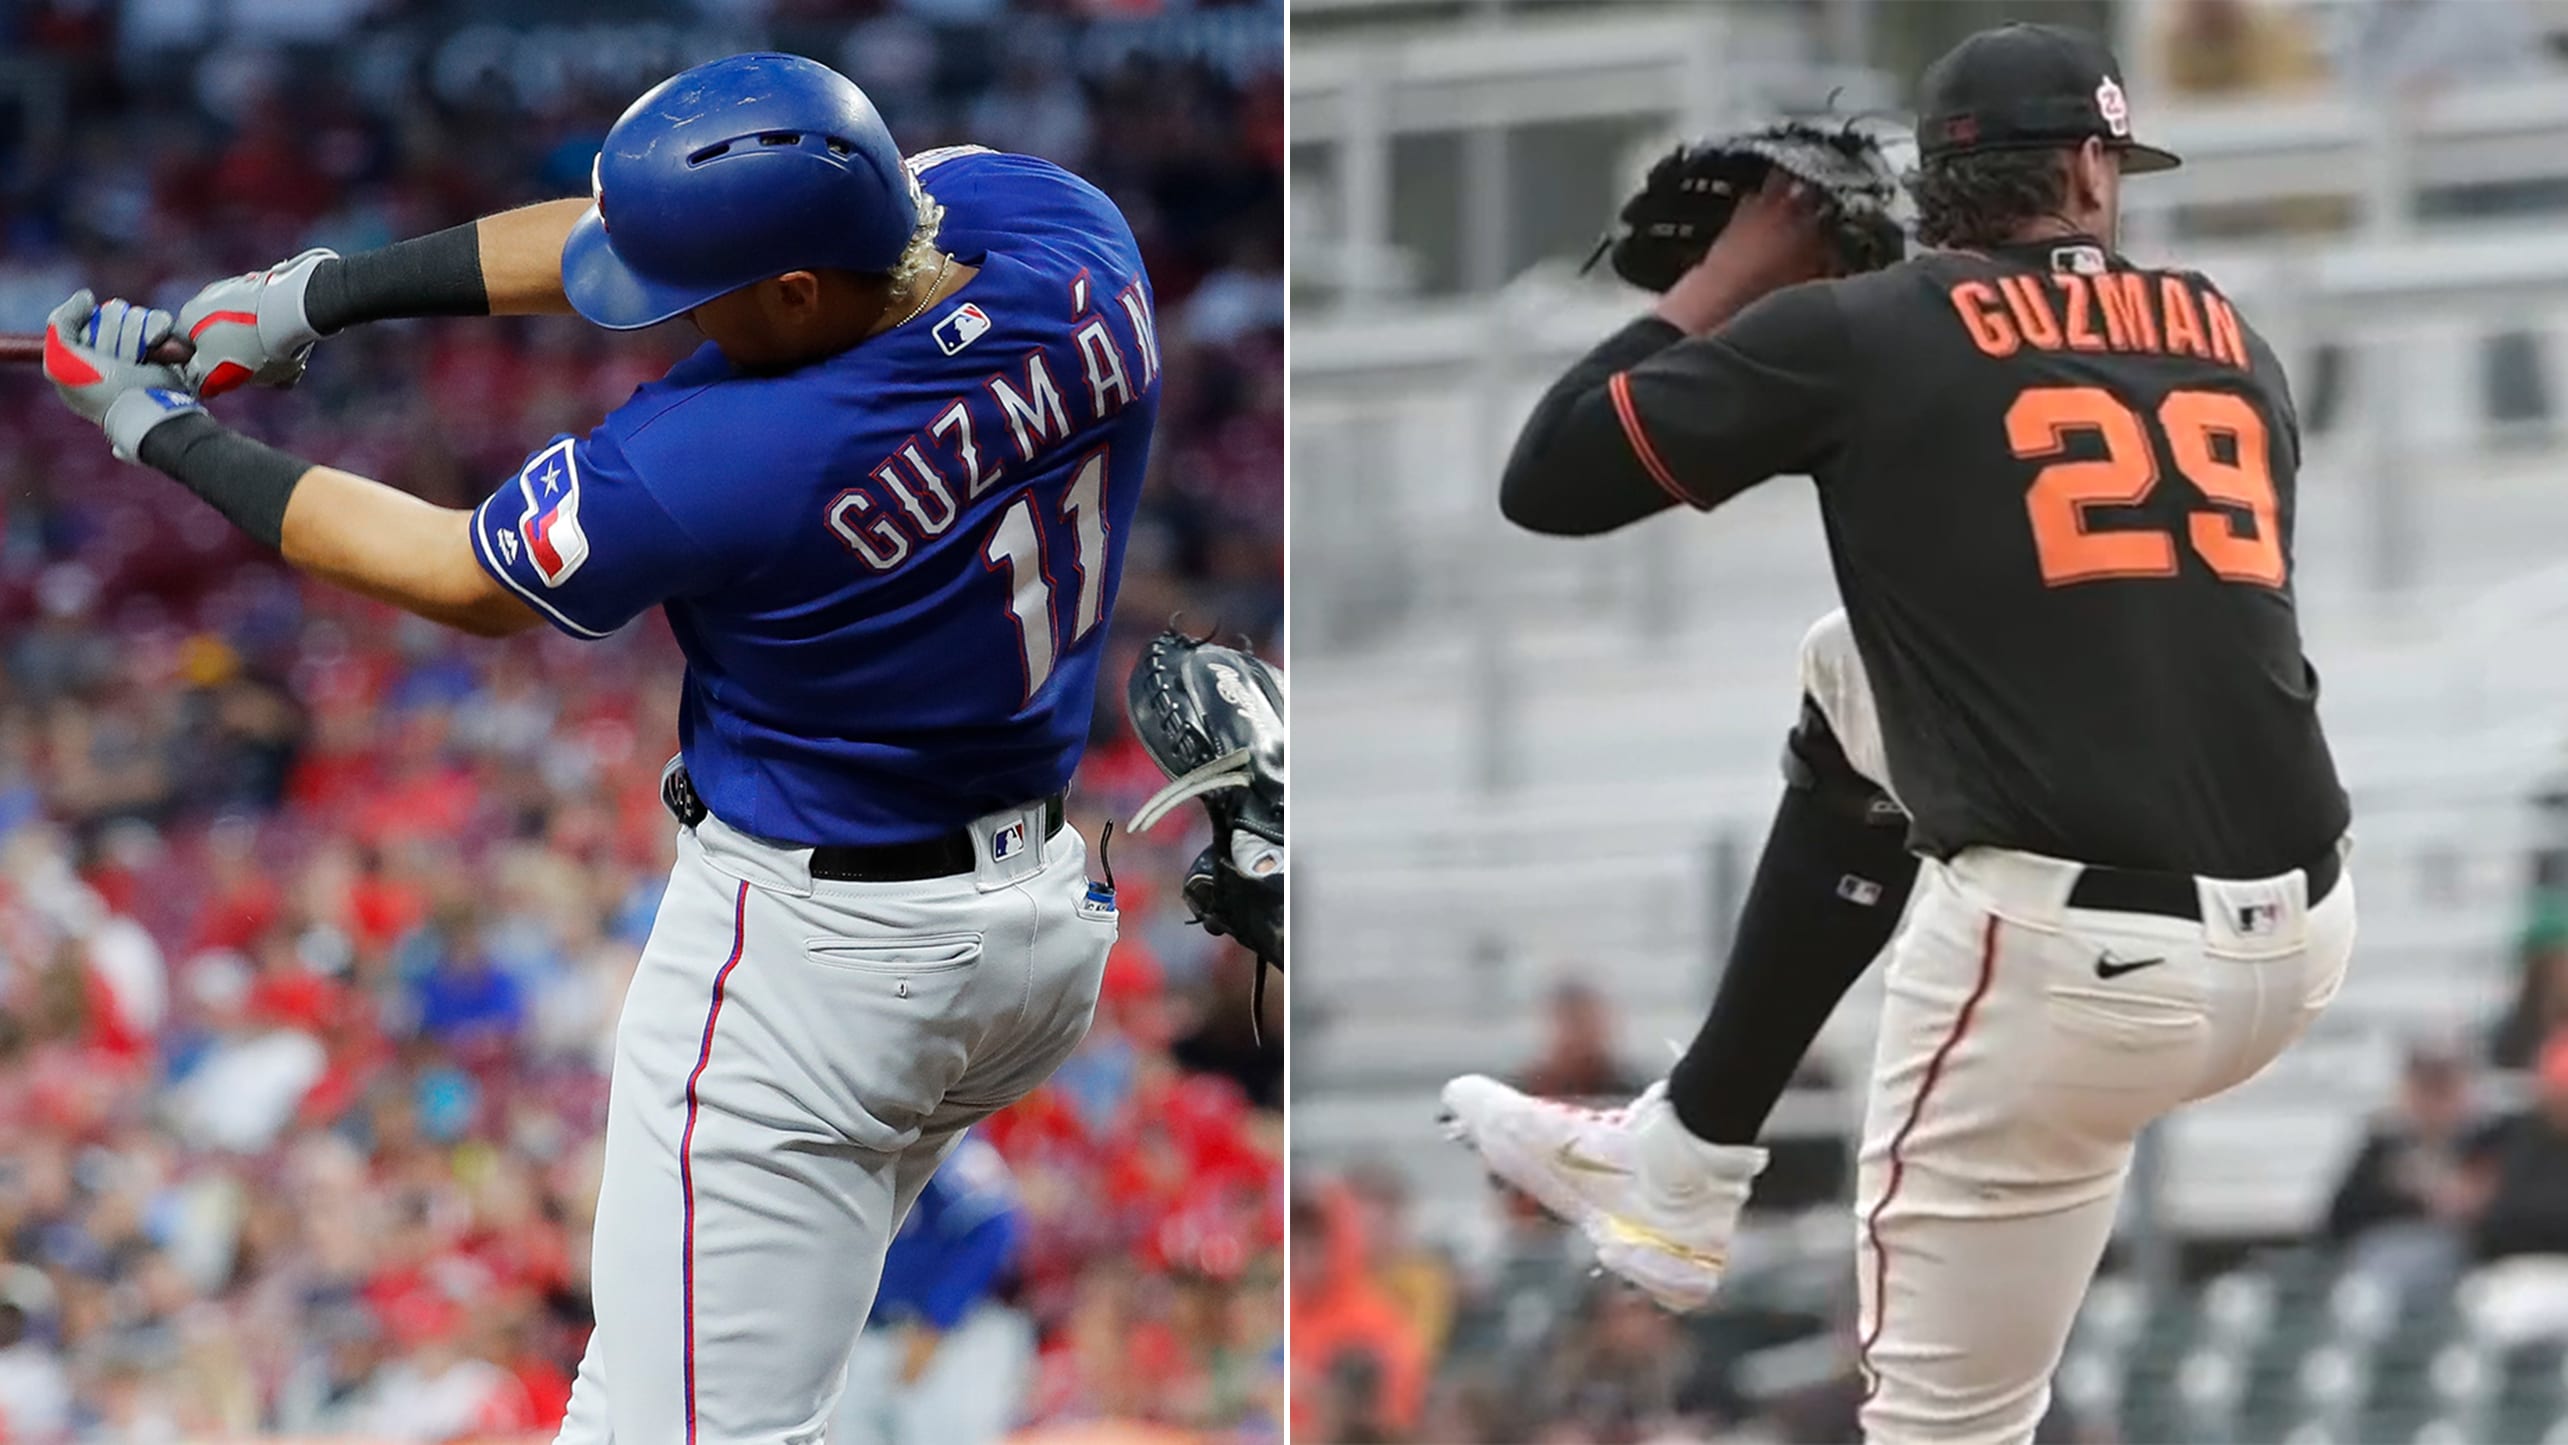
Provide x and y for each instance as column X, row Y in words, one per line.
column 2026, row 887
column 1011, row 845
column 2257, row 915
column 753, row 860
column 678, row 794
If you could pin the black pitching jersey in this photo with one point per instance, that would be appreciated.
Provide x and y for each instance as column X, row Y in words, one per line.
column 2058, row 492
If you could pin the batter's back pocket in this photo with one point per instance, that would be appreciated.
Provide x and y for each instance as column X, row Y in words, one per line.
column 924, row 953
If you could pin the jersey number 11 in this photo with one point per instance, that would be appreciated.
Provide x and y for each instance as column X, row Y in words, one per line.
column 1017, row 549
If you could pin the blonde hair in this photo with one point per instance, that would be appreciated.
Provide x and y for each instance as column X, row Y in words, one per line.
column 919, row 258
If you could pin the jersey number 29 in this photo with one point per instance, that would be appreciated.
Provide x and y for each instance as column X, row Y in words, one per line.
column 2239, row 484
column 1017, row 550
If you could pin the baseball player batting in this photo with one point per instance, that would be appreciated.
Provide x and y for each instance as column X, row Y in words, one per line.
column 2067, row 702
column 884, row 509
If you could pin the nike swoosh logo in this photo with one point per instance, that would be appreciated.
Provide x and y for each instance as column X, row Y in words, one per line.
column 2110, row 967
column 1648, row 1238
column 1568, row 1157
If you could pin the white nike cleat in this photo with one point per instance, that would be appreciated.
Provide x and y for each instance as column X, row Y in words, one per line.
column 1659, row 1204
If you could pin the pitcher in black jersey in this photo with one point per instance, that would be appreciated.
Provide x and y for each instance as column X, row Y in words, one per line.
column 2065, row 705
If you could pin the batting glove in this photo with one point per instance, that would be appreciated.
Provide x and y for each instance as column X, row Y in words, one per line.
column 94, row 356
column 251, row 327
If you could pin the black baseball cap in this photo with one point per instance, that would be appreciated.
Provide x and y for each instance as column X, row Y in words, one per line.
column 2026, row 87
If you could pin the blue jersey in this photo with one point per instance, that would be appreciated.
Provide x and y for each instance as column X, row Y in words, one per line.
column 890, row 570
column 956, row 1244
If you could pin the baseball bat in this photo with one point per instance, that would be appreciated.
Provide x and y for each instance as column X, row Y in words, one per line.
column 22, row 350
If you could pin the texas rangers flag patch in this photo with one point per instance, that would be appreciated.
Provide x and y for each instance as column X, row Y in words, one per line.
column 961, row 327
column 551, row 522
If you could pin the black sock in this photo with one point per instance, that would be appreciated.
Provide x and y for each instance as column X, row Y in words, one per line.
column 1828, row 893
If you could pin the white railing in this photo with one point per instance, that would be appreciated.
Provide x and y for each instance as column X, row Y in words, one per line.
column 2376, row 152
column 1699, row 69
column 1690, row 68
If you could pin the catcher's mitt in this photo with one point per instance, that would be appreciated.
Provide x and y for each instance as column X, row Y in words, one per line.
column 1693, row 190
column 1212, row 717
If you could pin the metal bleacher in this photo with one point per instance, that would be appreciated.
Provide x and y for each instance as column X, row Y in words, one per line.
column 1522, row 759
column 2291, row 1350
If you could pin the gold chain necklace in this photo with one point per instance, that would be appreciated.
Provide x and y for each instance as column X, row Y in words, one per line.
column 925, row 301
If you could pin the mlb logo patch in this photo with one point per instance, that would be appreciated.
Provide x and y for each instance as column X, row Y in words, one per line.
column 1862, row 892
column 961, row 327
column 2257, row 919
column 1007, row 842
column 2083, row 260
column 550, row 524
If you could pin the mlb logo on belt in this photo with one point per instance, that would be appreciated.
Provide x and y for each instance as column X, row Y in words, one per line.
column 961, row 327
column 1007, row 842
column 2256, row 919
column 551, row 522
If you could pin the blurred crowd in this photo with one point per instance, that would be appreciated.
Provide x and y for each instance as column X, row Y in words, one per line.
column 1408, row 1330
column 2404, row 50
column 2462, row 1180
column 314, row 919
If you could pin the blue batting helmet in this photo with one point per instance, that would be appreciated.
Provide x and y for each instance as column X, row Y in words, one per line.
column 727, row 174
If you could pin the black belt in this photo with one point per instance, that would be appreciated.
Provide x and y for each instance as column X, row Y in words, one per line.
column 2174, row 895
column 865, row 862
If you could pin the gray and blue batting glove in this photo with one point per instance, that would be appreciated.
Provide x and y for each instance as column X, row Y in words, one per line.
column 95, row 356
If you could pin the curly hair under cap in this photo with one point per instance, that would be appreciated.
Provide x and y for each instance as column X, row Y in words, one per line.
column 918, row 258
column 1979, row 200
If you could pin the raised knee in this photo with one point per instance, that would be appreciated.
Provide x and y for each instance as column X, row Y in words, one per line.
column 1815, row 761
column 1827, row 650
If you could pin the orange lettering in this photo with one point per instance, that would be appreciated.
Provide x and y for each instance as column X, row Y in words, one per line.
column 2134, row 290
column 2081, row 299
column 2117, row 321
column 1985, row 319
column 2227, row 341
column 2183, row 323
column 2032, row 311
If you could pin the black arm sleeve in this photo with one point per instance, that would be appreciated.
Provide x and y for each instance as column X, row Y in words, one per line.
column 439, row 274
column 248, row 481
column 1649, row 418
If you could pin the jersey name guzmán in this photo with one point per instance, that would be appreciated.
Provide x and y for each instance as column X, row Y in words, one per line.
column 889, row 570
